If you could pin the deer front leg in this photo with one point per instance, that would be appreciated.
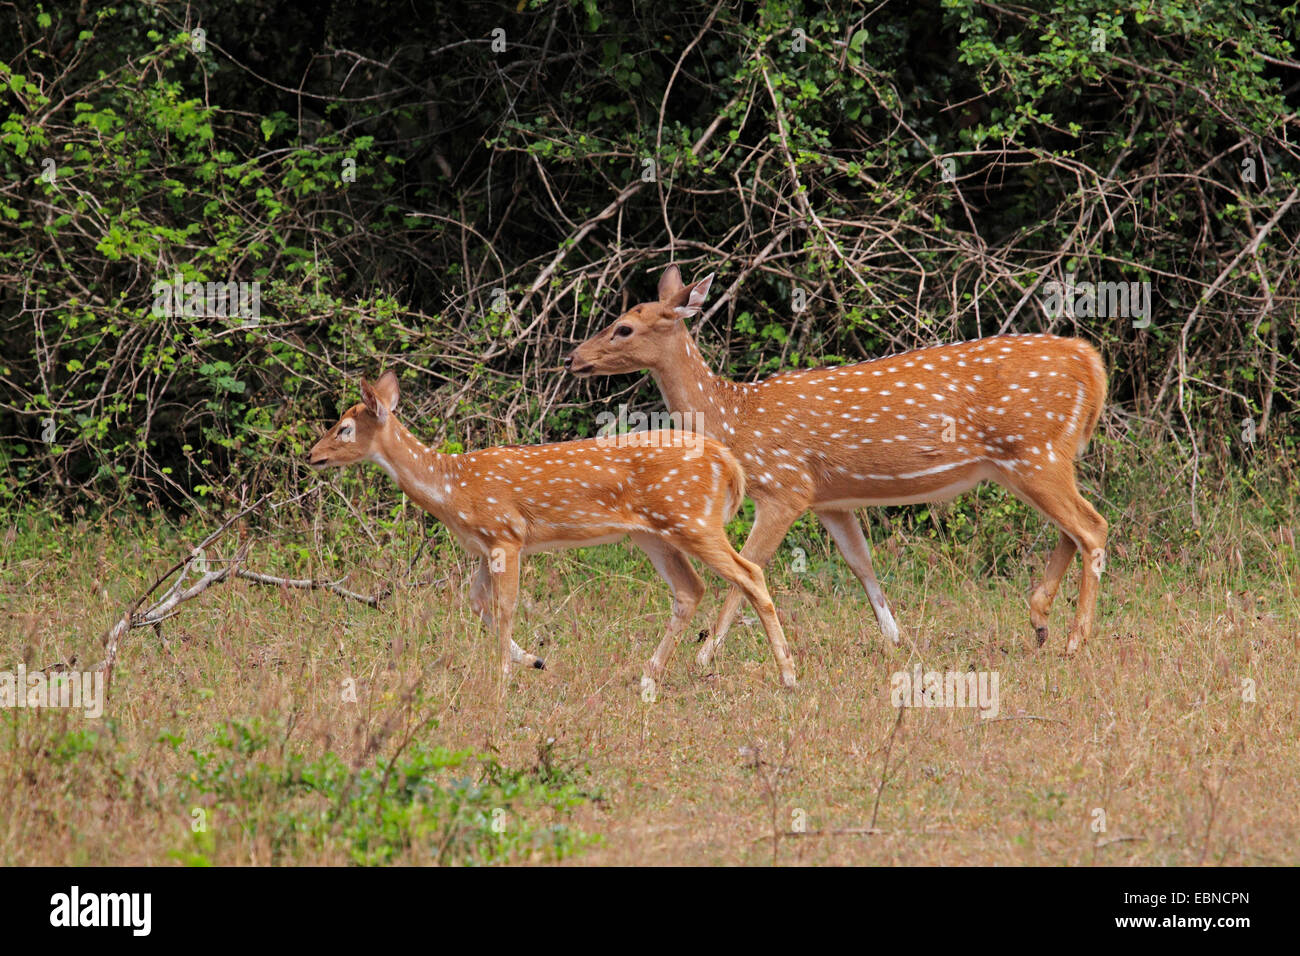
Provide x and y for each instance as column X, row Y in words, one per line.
column 772, row 520
column 480, row 599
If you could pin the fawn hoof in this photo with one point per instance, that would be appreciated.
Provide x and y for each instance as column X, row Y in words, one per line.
column 1040, row 632
column 539, row 664
column 702, row 636
column 788, row 681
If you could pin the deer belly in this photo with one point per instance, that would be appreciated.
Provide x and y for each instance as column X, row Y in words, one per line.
column 562, row 544
column 905, row 488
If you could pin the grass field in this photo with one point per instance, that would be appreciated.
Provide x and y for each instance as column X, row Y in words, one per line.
column 233, row 738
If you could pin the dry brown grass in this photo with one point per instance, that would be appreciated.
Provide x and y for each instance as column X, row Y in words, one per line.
column 1148, row 724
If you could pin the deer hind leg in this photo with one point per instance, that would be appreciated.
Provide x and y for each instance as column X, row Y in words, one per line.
column 1040, row 602
column 687, row 591
column 771, row 521
column 480, row 599
column 748, row 577
column 1054, row 494
column 851, row 541
column 1094, row 562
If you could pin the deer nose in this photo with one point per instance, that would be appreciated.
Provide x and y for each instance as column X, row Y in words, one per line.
column 575, row 368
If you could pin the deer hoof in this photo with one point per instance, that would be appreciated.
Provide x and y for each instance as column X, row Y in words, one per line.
column 1040, row 632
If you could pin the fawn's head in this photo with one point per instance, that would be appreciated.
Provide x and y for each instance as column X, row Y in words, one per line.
column 356, row 435
column 640, row 338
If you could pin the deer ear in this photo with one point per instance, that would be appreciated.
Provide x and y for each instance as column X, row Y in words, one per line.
column 693, row 296
column 670, row 283
column 374, row 405
column 387, row 390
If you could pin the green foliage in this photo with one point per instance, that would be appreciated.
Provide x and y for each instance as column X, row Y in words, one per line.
column 396, row 196
column 452, row 807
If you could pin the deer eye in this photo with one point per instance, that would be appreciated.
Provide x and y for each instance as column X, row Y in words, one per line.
column 623, row 331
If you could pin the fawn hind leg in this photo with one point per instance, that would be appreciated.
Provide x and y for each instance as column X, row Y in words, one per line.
column 771, row 521
column 748, row 577
column 687, row 590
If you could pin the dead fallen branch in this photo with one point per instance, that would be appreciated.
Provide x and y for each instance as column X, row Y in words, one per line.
column 1050, row 720
column 884, row 767
column 175, row 595
column 370, row 600
column 842, row 831
column 1101, row 844
column 215, row 570
column 309, row 584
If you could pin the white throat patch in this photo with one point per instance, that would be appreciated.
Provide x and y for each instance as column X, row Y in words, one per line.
column 383, row 463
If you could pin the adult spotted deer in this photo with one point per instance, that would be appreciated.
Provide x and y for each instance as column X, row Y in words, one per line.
column 671, row 491
column 920, row 426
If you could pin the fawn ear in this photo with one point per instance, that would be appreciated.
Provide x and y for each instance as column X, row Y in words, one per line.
column 386, row 389
column 690, row 300
column 374, row 404
column 670, row 283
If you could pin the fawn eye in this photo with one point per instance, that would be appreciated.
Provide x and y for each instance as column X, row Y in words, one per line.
column 623, row 331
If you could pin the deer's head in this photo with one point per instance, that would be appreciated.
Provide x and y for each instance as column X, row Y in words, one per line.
column 359, row 433
column 641, row 337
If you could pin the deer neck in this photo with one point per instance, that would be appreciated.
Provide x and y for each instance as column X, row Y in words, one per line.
column 687, row 384
column 424, row 475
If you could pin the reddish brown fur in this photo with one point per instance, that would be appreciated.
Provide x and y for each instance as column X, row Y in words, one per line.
column 921, row 426
column 672, row 492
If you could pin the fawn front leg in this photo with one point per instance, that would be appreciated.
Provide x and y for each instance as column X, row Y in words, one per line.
column 480, row 599
column 503, row 567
